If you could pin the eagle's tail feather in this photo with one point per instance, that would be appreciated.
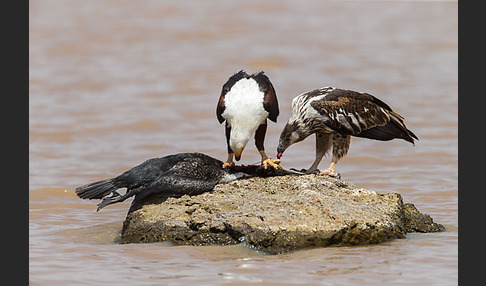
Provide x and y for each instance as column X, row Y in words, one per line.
column 96, row 190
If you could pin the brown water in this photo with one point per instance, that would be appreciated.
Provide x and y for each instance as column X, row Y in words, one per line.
column 113, row 83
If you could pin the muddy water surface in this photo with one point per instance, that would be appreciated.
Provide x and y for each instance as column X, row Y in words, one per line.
column 113, row 83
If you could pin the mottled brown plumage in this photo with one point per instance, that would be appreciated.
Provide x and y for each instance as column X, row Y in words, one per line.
column 336, row 114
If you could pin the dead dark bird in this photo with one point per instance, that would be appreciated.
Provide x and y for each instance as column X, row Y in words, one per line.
column 170, row 176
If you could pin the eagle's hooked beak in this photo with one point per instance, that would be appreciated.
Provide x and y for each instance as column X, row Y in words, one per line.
column 285, row 140
column 280, row 150
column 238, row 154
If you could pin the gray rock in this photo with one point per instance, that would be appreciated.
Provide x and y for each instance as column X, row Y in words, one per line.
column 278, row 214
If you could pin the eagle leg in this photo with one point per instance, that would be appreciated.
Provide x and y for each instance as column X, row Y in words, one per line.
column 330, row 171
column 340, row 147
column 323, row 143
column 229, row 161
column 259, row 140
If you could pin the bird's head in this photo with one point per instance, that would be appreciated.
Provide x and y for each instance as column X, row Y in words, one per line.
column 238, row 141
column 293, row 132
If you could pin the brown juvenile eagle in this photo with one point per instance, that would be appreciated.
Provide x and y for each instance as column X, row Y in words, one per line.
column 245, row 103
column 335, row 115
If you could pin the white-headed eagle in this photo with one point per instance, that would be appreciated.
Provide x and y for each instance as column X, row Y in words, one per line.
column 335, row 115
column 245, row 103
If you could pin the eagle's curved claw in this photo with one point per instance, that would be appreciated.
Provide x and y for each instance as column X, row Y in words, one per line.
column 269, row 162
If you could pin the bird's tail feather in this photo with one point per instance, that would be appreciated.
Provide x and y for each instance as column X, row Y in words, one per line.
column 96, row 190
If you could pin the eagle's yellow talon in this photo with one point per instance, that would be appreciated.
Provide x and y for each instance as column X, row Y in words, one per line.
column 227, row 164
column 273, row 163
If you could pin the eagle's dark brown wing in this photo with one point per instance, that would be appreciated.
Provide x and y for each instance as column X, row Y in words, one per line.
column 220, row 107
column 361, row 114
column 226, row 88
column 270, row 102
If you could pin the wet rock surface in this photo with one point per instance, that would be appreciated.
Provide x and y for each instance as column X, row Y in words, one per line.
column 279, row 214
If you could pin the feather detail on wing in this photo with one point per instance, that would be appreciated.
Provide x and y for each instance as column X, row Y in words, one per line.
column 270, row 102
column 349, row 112
column 360, row 114
column 220, row 108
